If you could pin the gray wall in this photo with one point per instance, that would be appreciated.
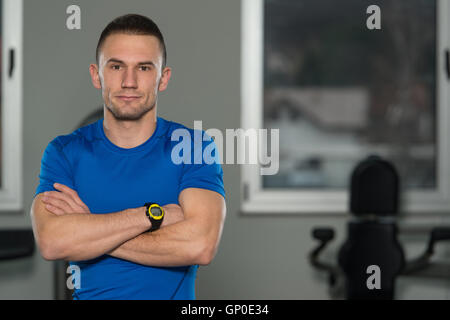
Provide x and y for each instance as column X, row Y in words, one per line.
column 259, row 257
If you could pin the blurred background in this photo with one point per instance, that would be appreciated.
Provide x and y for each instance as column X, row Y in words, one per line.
column 336, row 90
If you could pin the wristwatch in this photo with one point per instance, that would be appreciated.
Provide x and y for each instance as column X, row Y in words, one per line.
column 155, row 214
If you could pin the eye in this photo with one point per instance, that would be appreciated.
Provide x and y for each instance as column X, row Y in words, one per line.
column 144, row 68
column 115, row 67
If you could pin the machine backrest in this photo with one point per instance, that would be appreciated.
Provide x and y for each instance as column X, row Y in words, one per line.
column 371, row 245
column 374, row 188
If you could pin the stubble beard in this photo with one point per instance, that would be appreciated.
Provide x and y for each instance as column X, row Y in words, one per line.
column 129, row 116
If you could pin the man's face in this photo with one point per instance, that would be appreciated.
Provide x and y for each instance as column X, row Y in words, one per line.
column 129, row 74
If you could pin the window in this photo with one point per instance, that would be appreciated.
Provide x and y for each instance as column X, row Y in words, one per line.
column 339, row 92
column 11, row 105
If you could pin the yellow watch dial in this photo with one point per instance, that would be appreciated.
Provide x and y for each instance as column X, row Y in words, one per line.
column 156, row 212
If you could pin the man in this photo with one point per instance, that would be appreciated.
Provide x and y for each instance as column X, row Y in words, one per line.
column 105, row 188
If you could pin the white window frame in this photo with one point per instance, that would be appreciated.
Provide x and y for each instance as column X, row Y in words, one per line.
column 11, row 107
column 254, row 199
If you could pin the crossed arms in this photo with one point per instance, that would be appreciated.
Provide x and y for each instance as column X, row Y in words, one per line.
column 64, row 228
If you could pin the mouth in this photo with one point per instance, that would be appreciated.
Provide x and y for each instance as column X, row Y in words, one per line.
column 128, row 98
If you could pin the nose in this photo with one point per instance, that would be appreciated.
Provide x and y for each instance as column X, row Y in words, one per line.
column 129, row 79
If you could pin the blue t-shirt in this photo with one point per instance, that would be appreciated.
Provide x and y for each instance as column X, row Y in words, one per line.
column 108, row 179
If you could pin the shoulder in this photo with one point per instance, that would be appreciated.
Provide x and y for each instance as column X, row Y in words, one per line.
column 77, row 139
column 171, row 126
column 191, row 145
column 174, row 131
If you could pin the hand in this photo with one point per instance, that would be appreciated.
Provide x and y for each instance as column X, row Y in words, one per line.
column 172, row 214
column 64, row 201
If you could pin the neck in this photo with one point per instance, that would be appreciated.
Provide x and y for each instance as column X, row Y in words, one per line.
column 129, row 134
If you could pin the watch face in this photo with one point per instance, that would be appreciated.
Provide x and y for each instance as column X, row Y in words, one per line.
column 156, row 212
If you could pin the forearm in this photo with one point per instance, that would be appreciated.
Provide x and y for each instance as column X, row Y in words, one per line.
column 193, row 240
column 86, row 236
column 174, row 245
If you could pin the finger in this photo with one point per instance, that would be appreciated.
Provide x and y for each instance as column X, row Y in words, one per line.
column 75, row 208
column 80, row 202
column 55, row 202
column 54, row 209
column 72, row 193
column 65, row 189
column 63, row 197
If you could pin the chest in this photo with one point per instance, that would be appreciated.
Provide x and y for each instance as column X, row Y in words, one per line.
column 109, row 182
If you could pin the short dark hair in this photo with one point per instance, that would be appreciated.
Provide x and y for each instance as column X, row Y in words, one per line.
column 132, row 24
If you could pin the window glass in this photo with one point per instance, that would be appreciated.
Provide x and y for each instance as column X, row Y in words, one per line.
column 339, row 92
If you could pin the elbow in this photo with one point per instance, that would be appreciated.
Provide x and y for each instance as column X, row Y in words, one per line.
column 49, row 248
column 205, row 254
column 205, row 260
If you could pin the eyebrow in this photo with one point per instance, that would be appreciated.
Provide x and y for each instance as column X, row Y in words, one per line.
column 114, row 60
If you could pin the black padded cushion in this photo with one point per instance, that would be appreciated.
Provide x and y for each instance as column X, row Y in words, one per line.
column 374, row 188
column 16, row 244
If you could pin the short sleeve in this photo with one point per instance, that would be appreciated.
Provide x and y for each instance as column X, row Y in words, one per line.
column 55, row 168
column 205, row 173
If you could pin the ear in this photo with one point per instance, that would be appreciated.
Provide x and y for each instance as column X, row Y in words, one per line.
column 93, row 70
column 165, row 77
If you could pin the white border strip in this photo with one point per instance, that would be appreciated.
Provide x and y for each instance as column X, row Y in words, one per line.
column 11, row 104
